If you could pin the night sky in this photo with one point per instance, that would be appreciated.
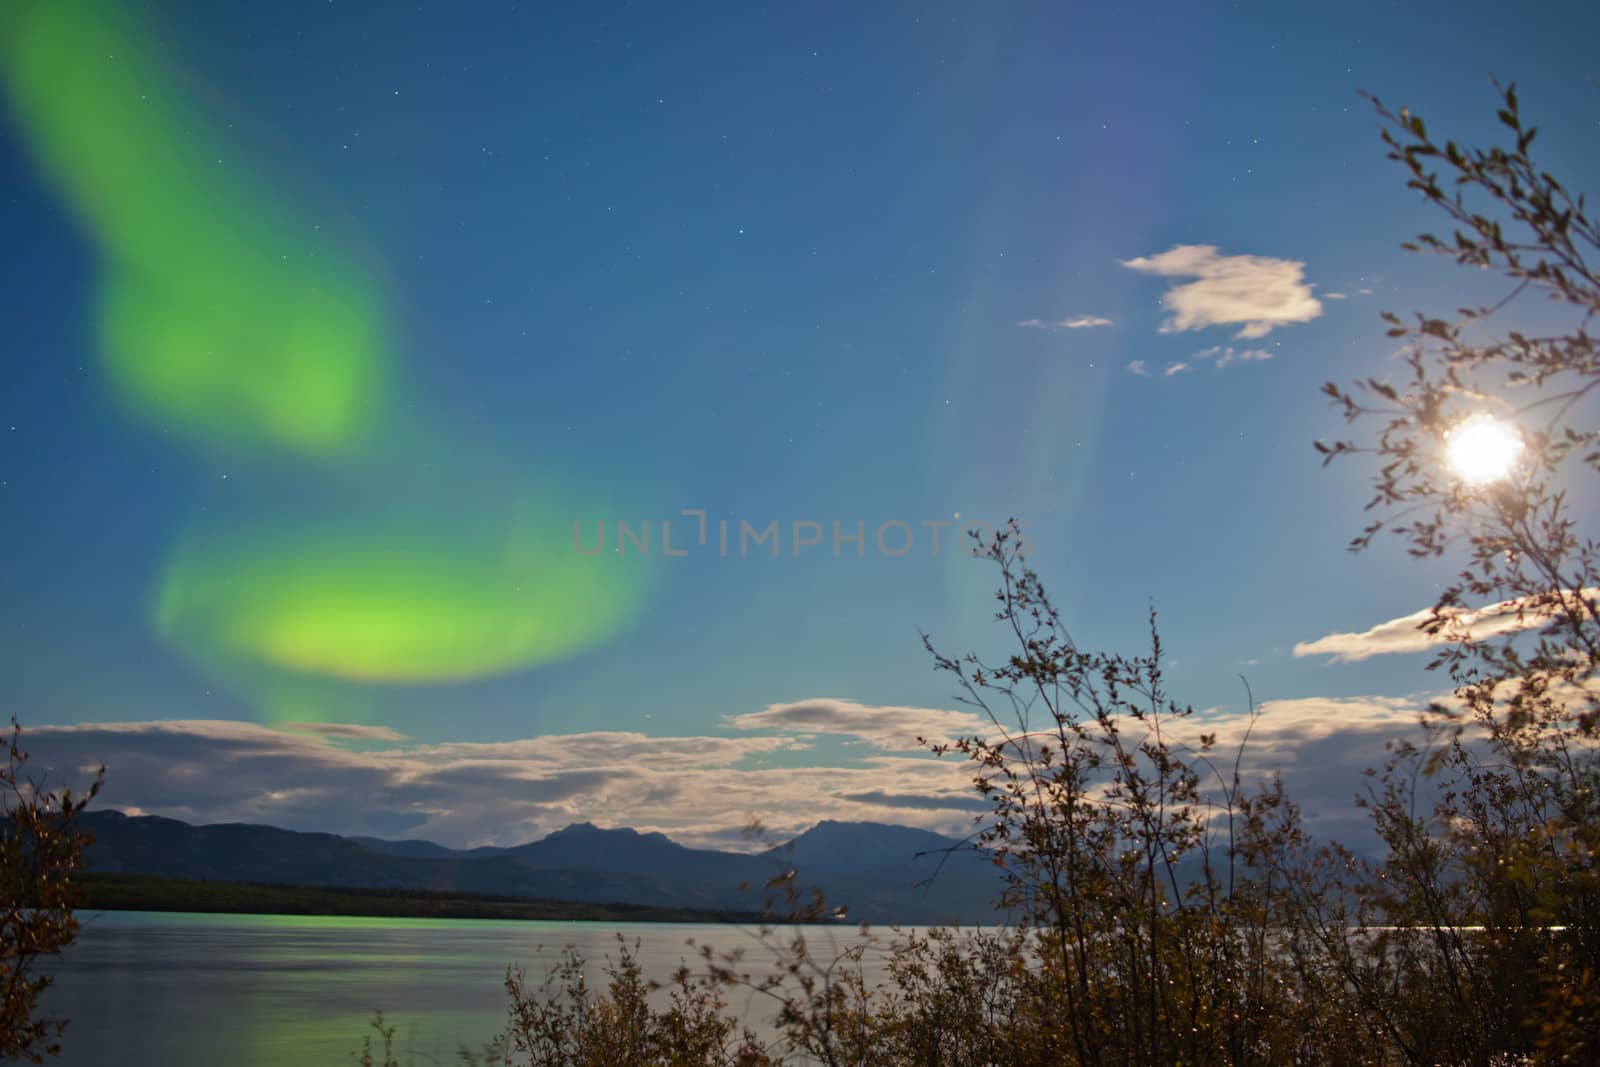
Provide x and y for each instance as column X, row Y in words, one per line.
column 325, row 322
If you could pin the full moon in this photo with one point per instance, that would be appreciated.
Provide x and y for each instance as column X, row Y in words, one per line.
column 1482, row 449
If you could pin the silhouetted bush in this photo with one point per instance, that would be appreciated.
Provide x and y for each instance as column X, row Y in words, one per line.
column 41, row 847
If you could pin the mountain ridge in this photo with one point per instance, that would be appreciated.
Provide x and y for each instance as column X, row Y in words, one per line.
column 876, row 870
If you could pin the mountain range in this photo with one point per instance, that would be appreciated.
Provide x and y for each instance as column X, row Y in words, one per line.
column 880, row 873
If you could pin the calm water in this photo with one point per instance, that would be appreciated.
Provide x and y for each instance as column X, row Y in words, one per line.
column 161, row 989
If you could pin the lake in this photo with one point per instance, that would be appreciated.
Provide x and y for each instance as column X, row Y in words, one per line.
column 146, row 989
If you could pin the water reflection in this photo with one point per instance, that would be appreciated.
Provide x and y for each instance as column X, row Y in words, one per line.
column 154, row 990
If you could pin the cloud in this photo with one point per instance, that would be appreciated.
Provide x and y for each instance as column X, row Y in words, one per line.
column 1140, row 368
column 963, row 800
column 1336, row 296
column 1405, row 634
column 1219, row 356
column 1321, row 746
column 1280, row 736
column 347, row 731
column 890, row 728
column 1072, row 322
column 1174, row 368
column 1396, row 635
column 1257, row 291
column 699, row 790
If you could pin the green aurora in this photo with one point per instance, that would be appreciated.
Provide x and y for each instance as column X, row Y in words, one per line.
column 391, row 604
column 227, row 318
column 223, row 315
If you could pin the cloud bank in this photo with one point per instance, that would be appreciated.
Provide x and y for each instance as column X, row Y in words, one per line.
column 699, row 790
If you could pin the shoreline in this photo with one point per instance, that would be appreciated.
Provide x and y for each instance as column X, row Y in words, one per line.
column 104, row 891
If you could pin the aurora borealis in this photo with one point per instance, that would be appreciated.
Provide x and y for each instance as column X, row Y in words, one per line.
column 215, row 318
column 224, row 316
column 410, row 604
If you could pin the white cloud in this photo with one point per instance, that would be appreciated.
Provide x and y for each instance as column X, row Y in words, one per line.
column 1405, row 634
column 347, row 731
column 1219, row 356
column 1256, row 291
column 1174, row 368
column 890, row 728
column 1336, row 296
column 1279, row 738
column 1071, row 322
column 1140, row 368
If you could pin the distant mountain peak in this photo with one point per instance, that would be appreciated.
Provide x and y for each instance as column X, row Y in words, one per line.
column 831, row 846
column 583, row 829
column 828, row 829
column 836, row 824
